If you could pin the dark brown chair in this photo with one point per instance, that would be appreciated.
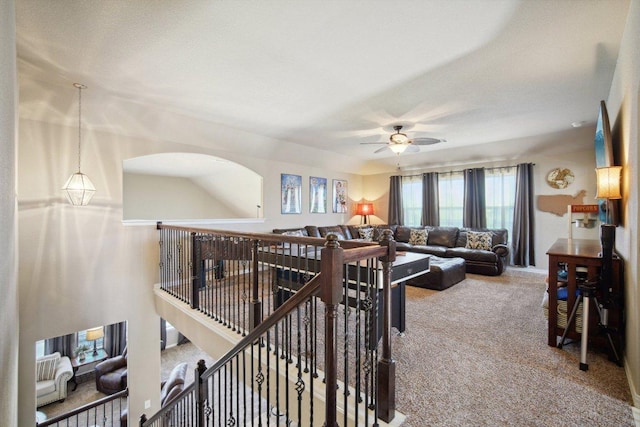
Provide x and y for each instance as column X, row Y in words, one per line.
column 111, row 374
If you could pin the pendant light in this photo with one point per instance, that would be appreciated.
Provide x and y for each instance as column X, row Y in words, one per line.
column 79, row 189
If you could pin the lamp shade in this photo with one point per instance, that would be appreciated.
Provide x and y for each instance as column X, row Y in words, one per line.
column 398, row 148
column 364, row 209
column 95, row 333
column 608, row 182
column 79, row 189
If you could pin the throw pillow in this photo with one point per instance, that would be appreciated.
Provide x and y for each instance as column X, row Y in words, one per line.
column 418, row 237
column 366, row 234
column 46, row 367
column 479, row 240
column 295, row 233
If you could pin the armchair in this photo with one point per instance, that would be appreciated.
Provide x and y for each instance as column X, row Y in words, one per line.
column 111, row 374
column 52, row 374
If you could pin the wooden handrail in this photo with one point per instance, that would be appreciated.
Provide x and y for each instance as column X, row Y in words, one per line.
column 268, row 237
column 83, row 408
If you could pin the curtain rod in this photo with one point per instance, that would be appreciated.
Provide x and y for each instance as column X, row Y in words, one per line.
column 460, row 171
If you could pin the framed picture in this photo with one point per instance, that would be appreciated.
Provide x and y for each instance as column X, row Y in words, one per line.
column 339, row 196
column 317, row 194
column 291, row 194
column 604, row 157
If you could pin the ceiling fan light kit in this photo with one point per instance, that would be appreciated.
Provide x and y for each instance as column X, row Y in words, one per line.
column 399, row 138
column 400, row 143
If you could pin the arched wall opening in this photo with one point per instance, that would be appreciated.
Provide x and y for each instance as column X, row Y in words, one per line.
column 189, row 186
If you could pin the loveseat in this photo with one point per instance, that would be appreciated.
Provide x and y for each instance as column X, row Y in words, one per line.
column 52, row 374
column 485, row 251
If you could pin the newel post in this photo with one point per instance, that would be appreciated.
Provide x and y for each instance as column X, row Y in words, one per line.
column 332, row 260
column 386, row 365
column 201, row 392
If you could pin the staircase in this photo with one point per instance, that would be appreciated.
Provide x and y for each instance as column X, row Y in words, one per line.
column 291, row 322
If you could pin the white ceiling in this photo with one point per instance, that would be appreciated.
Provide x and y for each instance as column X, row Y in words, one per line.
column 325, row 74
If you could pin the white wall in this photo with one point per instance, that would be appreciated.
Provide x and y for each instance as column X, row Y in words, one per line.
column 80, row 266
column 624, row 114
column 9, row 337
column 158, row 197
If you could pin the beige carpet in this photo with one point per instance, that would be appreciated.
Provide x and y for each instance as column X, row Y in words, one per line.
column 476, row 355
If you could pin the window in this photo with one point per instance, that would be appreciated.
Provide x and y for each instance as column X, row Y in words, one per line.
column 412, row 200
column 82, row 339
column 451, row 195
column 500, row 196
column 40, row 348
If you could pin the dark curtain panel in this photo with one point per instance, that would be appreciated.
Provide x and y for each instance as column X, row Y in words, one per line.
column 163, row 334
column 66, row 345
column 115, row 338
column 430, row 199
column 395, row 201
column 474, row 209
column 523, row 218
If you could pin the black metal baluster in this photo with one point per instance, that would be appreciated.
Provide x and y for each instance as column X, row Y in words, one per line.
column 345, row 344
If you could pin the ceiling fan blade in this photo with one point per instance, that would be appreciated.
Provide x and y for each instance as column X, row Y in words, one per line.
column 374, row 143
column 380, row 150
column 426, row 141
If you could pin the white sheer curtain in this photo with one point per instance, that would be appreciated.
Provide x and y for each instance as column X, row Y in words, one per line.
column 412, row 200
column 451, row 198
column 500, row 196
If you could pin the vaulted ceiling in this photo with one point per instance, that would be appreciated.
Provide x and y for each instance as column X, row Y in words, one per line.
column 489, row 76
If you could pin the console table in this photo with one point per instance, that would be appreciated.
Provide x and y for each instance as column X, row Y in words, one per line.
column 76, row 363
column 574, row 253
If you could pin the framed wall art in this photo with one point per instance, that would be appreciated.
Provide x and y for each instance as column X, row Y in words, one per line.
column 317, row 194
column 604, row 157
column 339, row 200
column 291, row 194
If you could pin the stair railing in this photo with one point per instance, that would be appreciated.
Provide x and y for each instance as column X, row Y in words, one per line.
column 272, row 370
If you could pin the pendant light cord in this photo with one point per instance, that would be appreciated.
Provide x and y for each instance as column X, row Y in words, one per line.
column 79, row 122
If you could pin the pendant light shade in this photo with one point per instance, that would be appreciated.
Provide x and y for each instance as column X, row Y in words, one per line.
column 79, row 188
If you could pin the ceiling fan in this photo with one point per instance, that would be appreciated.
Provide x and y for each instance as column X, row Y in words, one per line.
column 399, row 142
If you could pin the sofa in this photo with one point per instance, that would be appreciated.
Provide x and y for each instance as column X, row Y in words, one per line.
column 485, row 251
column 111, row 374
column 52, row 374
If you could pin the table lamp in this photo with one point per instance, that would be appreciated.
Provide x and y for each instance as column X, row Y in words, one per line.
column 95, row 334
column 364, row 210
column 608, row 186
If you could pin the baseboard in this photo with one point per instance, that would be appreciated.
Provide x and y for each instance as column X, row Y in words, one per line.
column 632, row 386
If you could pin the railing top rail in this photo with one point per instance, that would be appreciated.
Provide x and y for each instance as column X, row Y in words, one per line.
column 83, row 408
column 266, row 237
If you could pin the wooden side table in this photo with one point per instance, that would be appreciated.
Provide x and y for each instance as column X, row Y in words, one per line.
column 586, row 254
column 76, row 363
